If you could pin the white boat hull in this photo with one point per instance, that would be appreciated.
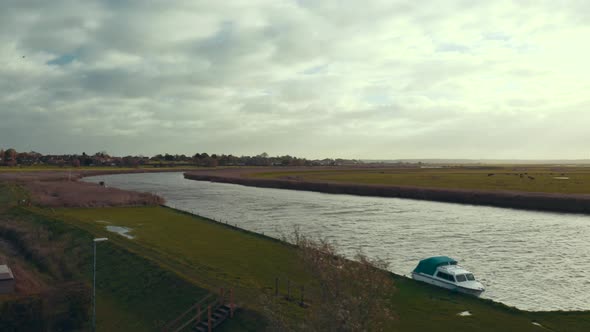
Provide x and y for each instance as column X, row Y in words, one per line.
column 445, row 284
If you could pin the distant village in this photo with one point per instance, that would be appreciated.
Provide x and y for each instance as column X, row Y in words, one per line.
column 12, row 158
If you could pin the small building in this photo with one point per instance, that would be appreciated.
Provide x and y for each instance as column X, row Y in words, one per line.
column 6, row 280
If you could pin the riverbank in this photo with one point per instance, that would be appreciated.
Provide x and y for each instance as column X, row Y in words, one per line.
column 298, row 179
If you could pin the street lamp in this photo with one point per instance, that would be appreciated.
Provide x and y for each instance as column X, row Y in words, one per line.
column 100, row 239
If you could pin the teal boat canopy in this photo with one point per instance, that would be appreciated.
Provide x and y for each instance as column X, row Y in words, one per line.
column 429, row 265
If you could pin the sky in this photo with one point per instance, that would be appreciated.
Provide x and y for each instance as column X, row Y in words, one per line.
column 366, row 79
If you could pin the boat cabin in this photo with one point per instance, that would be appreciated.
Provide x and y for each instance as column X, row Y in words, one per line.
column 454, row 273
column 444, row 272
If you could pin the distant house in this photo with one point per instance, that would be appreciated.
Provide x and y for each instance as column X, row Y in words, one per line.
column 6, row 280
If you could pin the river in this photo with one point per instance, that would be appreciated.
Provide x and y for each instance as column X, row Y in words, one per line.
column 530, row 260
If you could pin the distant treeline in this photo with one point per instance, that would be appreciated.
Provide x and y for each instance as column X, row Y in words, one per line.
column 11, row 157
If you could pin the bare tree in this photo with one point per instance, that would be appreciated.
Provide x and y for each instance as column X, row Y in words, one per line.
column 348, row 295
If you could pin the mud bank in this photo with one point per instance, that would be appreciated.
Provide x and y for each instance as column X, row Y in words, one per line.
column 510, row 199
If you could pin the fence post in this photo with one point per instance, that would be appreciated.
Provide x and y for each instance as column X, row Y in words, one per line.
column 198, row 314
column 210, row 327
column 302, row 291
column 276, row 286
column 231, row 305
column 288, row 289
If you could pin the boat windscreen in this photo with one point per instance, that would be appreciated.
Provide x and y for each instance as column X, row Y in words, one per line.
column 461, row 277
column 470, row 276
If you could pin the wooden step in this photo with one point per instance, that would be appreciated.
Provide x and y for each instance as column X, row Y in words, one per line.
column 216, row 319
column 218, row 316
column 201, row 327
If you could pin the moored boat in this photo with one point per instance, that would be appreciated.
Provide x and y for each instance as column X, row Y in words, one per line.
column 445, row 272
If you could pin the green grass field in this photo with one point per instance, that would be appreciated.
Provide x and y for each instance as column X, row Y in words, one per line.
column 544, row 179
column 203, row 252
column 217, row 252
column 212, row 251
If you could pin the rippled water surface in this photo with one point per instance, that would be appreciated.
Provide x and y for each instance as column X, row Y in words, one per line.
column 531, row 260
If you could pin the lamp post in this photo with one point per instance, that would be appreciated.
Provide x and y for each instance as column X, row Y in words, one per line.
column 100, row 239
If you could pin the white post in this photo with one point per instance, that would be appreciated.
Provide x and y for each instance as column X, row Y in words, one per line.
column 94, row 291
column 94, row 284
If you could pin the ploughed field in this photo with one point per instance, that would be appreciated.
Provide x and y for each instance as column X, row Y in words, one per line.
column 543, row 179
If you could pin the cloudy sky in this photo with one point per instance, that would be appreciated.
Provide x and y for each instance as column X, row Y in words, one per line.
column 376, row 79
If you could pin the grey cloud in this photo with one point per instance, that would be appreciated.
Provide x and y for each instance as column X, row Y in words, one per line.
column 314, row 78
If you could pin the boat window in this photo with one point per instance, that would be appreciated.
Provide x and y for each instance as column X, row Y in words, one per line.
column 470, row 276
column 461, row 277
column 445, row 276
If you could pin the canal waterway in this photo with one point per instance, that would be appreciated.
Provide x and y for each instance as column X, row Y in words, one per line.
column 530, row 260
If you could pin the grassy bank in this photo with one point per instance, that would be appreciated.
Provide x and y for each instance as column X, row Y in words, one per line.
column 205, row 252
column 212, row 250
column 543, row 179
column 202, row 252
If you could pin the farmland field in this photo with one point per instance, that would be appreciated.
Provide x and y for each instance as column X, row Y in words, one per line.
column 566, row 180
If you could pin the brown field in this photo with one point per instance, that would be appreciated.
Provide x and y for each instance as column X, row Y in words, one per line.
column 62, row 189
column 82, row 194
